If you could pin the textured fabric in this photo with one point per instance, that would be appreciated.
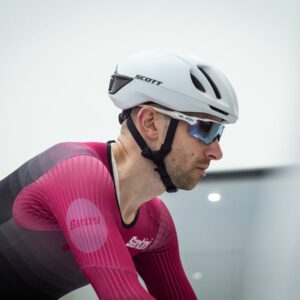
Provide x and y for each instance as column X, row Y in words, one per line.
column 61, row 227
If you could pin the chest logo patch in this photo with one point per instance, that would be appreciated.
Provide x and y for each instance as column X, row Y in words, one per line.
column 139, row 244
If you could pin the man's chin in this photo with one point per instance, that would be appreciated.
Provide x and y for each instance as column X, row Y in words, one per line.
column 189, row 186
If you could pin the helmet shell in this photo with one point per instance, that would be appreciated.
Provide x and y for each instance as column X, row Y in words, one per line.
column 177, row 80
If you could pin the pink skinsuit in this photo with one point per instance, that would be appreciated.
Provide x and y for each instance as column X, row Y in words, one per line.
column 61, row 228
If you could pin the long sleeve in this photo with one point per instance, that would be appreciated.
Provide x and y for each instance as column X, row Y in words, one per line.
column 76, row 194
column 161, row 266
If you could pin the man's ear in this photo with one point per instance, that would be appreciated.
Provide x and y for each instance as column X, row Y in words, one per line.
column 147, row 123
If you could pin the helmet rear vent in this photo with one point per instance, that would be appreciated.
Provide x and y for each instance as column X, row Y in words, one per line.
column 213, row 85
column 197, row 84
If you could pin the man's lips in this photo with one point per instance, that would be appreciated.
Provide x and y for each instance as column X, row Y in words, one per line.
column 203, row 167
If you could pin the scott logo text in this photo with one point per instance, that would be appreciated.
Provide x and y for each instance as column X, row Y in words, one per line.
column 147, row 79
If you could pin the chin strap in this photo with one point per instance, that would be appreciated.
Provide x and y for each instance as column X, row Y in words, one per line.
column 157, row 156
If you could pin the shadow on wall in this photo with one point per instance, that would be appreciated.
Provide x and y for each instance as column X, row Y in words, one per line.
column 272, row 264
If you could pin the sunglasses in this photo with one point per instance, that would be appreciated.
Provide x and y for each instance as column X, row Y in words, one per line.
column 203, row 129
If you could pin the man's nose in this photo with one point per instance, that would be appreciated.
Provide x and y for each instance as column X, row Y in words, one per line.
column 213, row 151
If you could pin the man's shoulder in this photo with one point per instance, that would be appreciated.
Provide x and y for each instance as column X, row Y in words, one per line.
column 40, row 164
column 157, row 208
column 66, row 150
column 77, row 153
column 160, row 217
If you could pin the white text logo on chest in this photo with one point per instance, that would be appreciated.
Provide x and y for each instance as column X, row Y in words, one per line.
column 138, row 244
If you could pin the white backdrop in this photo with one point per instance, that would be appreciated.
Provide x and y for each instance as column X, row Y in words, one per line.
column 56, row 58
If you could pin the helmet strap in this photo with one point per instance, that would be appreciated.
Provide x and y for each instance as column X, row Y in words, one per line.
column 157, row 156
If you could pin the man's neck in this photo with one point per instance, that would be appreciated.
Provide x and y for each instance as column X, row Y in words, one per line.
column 138, row 182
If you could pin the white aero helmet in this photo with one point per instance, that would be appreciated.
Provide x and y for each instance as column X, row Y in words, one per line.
column 176, row 80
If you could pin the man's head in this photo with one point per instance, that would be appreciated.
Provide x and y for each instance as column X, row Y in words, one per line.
column 189, row 157
column 181, row 100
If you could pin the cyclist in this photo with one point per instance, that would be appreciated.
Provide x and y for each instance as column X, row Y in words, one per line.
column 82, row 213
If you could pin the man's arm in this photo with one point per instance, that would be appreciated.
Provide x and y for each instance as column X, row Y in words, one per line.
column 161, row 268
column 76, row 194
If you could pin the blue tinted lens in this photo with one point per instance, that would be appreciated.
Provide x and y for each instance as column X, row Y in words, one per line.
column 207, row 132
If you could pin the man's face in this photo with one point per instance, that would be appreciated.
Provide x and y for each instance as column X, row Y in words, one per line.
column 189, row 157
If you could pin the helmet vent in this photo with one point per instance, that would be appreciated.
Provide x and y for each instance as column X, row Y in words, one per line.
column 117, row 82
column 197, row 84
column 219, row 110
column 213, row 85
